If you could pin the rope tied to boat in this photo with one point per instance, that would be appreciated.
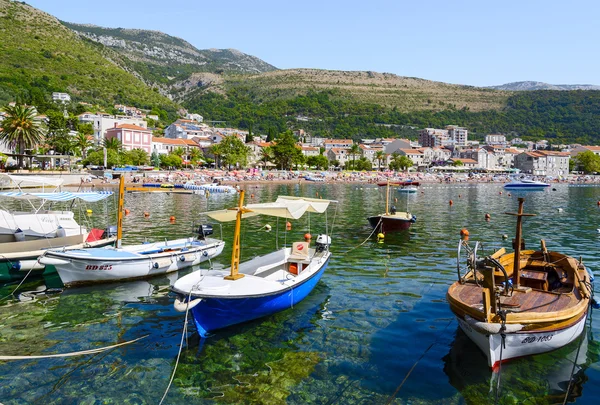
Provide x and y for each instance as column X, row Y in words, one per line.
column 366, row 240
column 502, row 314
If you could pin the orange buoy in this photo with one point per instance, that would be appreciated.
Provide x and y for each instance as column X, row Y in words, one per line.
column 598, row 203
column 172, row 218
column 146, row 214
column 487, row 217
column 500, row 192
column 126, row 211
column 459, row 196
column 509, row 194
column 450, row 202
column 307, row 237
column 464, row 234
column 251, row 195
column 288, row 226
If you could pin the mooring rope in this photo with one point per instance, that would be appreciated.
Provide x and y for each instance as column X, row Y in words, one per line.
column 364, row 241
column 72, row 354
column 21, row 283
column 502, row 315
column 575, row 361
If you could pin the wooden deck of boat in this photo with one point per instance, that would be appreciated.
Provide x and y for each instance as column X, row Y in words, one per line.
column 533, row 300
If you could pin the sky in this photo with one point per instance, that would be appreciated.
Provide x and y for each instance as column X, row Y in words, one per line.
column 479, row 43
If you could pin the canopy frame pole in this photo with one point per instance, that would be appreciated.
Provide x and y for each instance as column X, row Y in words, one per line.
column 517, row 242
column 235, row 254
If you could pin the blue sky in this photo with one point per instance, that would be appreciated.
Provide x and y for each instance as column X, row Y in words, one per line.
column 478, row 43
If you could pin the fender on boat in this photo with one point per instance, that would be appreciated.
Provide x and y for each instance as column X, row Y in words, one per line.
column 492, row 328
column 181, row 306
column 52, row 261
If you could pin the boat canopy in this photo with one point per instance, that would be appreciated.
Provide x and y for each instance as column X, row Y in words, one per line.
column 284, row 207
column 8, row 180
column 88, row 196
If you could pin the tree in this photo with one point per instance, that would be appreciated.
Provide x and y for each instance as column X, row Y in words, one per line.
column 195, row 156
column 380, row 156
column 82, row 143
column 179, row 151
column 354, row 150
column 136, row 157
column 400, row 162
column 588, row 162
column 96, row 158
column 363, row 164
column 286, row 152
column 113, row 143
column 234, row 151
column 270, row 134
column 216, row 151
column 458, row 163
column 171, row 160
column 320, row 162
column 22, row 129
column 266, row 154
column 155, row 159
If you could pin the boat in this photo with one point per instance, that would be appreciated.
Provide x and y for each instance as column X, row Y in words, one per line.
column 210, row 187
column 520, row 303
column 407, row 189
column 525, row 184
column 260, row 286
column 401, row 183
column 26, row 235
column 391, row 220
column 101, row 265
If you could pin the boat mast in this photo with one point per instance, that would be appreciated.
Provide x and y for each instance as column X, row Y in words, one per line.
column 517, row 242
column 120, row 210
column 387, row 197
column 235, row 254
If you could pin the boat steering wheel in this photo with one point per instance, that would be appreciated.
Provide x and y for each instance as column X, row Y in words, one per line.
column 466, row 260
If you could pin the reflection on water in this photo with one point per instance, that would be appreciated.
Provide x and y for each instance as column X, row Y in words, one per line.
column 378, row 315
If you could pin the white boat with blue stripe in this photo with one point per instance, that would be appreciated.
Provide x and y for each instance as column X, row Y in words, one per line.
column 526, row 184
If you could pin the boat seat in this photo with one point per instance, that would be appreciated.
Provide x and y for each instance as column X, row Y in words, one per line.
column 299, row 252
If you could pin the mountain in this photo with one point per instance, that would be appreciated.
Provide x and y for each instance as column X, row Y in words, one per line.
column 163, row 59
column 40, row 56
column 530, row 86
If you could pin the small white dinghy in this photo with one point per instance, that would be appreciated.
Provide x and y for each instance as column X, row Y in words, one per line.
column 85, row 266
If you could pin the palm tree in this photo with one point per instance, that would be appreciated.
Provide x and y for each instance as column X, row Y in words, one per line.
column 195, row 155
column 113, row 143
column 83, row 143
column 379, row 155
column 266, row 154
column 216, row 150
column 21, row 128
column 354, row 150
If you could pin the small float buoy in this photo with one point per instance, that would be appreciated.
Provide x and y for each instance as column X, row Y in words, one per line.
column 504, row 236
column 560, row 210
column 464, row 234
column 307, row 237
column 146, row 214
column 395, row 199
column 251, row 195
column 380, row 237
column 553, row 188
column 450, row 202
column 172, row 218
column 509, row 194
column 267, row 227
column 288, row 226
column 459, row 196
column 500, row 192
column 598, row 203
column 89, row 212
column 126, row 211
column 488, row 217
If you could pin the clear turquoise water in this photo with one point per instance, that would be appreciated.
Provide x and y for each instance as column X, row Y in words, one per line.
column 379, row 311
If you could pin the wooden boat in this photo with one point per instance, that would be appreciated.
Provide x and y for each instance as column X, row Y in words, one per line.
column 520, row 303
column 392, row 220
column 401, row 183
column 26, row 235
column 261, row 286
column 84, row 266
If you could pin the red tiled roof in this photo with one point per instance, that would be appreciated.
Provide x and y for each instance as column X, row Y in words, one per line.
column 130, row 126
column 169, row 141
column 411, row 151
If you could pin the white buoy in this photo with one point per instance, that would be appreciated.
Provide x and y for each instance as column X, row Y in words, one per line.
column 560, row 210
column 267, row 227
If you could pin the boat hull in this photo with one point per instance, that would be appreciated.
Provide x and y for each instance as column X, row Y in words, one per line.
column 217, row 313
column 384, row 224
column 521, row 344
column 76, row 271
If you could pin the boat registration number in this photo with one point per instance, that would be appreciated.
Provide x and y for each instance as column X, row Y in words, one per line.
column 531, row 339
column 101, row 267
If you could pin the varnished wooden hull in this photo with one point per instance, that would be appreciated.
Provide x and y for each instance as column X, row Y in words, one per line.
column 386, row 224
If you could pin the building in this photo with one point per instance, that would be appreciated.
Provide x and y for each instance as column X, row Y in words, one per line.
column 61, row 97
column 342, row 155
column 187, row 129
column 495, row 139
column 543, row 163
column 581, row 148
column 101, row 122
column 371, row 151
column 458, row 135
column 131, row 136
column 397, row 144
column 308, row 150
column 415, row 155
column 485, row 158
column 194, row 117
column 165, row 146
column 337, row 143
column 430, row 137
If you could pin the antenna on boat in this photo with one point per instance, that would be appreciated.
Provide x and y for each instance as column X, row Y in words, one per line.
column 517, row 241
column 120, row 210
column 387, row 197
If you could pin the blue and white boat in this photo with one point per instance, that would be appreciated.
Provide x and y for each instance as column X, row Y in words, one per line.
column 525, row 184
column 261, row 286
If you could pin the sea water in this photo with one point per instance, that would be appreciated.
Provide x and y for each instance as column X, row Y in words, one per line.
column 377, row 329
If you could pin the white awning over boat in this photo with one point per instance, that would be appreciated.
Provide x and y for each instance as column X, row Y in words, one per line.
column 11, row 180
column 90, row 196
column 284, row 207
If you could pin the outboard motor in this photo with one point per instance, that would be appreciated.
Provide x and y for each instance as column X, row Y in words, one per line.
column 110, row 232
column 205, row 230
column 322, row 243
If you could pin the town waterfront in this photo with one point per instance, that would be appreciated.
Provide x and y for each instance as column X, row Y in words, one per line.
column 379, row 311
